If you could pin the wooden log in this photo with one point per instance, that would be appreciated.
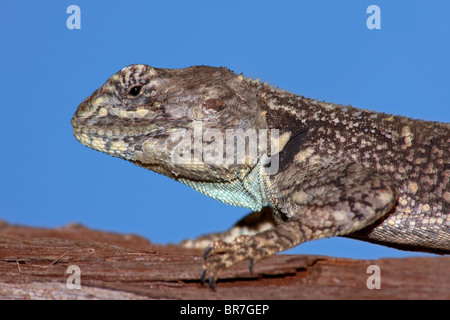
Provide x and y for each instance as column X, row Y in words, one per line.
column 34, row 264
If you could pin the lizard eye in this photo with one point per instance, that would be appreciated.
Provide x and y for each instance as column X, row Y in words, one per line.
column 134, row 91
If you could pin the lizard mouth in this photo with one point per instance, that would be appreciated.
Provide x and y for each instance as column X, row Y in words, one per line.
column 104, row 140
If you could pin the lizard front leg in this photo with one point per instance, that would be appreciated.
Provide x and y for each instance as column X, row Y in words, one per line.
column 332, row 201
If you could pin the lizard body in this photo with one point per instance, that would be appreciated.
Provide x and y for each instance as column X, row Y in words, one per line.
column 333, row 171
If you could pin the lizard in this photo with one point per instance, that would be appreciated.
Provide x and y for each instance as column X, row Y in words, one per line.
column 326, row 170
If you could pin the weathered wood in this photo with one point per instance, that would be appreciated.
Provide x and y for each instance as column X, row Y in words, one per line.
column 33, row 264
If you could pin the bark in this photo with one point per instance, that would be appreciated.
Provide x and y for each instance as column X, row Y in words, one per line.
column 34, row 264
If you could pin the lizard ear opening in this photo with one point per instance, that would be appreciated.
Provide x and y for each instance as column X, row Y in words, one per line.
column 212, row 105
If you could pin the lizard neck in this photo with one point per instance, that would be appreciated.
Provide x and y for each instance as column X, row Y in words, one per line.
column 248, row 190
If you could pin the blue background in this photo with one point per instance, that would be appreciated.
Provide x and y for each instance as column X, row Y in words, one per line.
column 319, row 49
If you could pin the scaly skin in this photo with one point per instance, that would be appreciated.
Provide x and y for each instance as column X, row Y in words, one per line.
column 333, row 171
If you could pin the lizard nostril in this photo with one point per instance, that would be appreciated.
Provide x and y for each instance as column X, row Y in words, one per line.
column 84, row 108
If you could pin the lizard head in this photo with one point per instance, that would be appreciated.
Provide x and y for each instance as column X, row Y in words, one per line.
column 174, row 121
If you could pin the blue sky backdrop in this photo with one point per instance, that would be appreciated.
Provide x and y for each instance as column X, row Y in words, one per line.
column 319, row 49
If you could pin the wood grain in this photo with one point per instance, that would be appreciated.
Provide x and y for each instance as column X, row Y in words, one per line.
column 33, row 264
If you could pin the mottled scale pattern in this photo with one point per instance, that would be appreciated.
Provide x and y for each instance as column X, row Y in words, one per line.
column 414, row 153
column 341, row 171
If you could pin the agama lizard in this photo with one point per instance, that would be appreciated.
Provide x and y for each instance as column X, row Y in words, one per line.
column 330, row 170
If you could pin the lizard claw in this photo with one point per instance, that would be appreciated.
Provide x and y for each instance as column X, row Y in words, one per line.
column 207, row 252
column 211, row 280
column 202, row 277
column 212, row 283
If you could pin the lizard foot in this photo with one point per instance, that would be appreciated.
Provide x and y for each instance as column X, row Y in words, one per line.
column 221, row 255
